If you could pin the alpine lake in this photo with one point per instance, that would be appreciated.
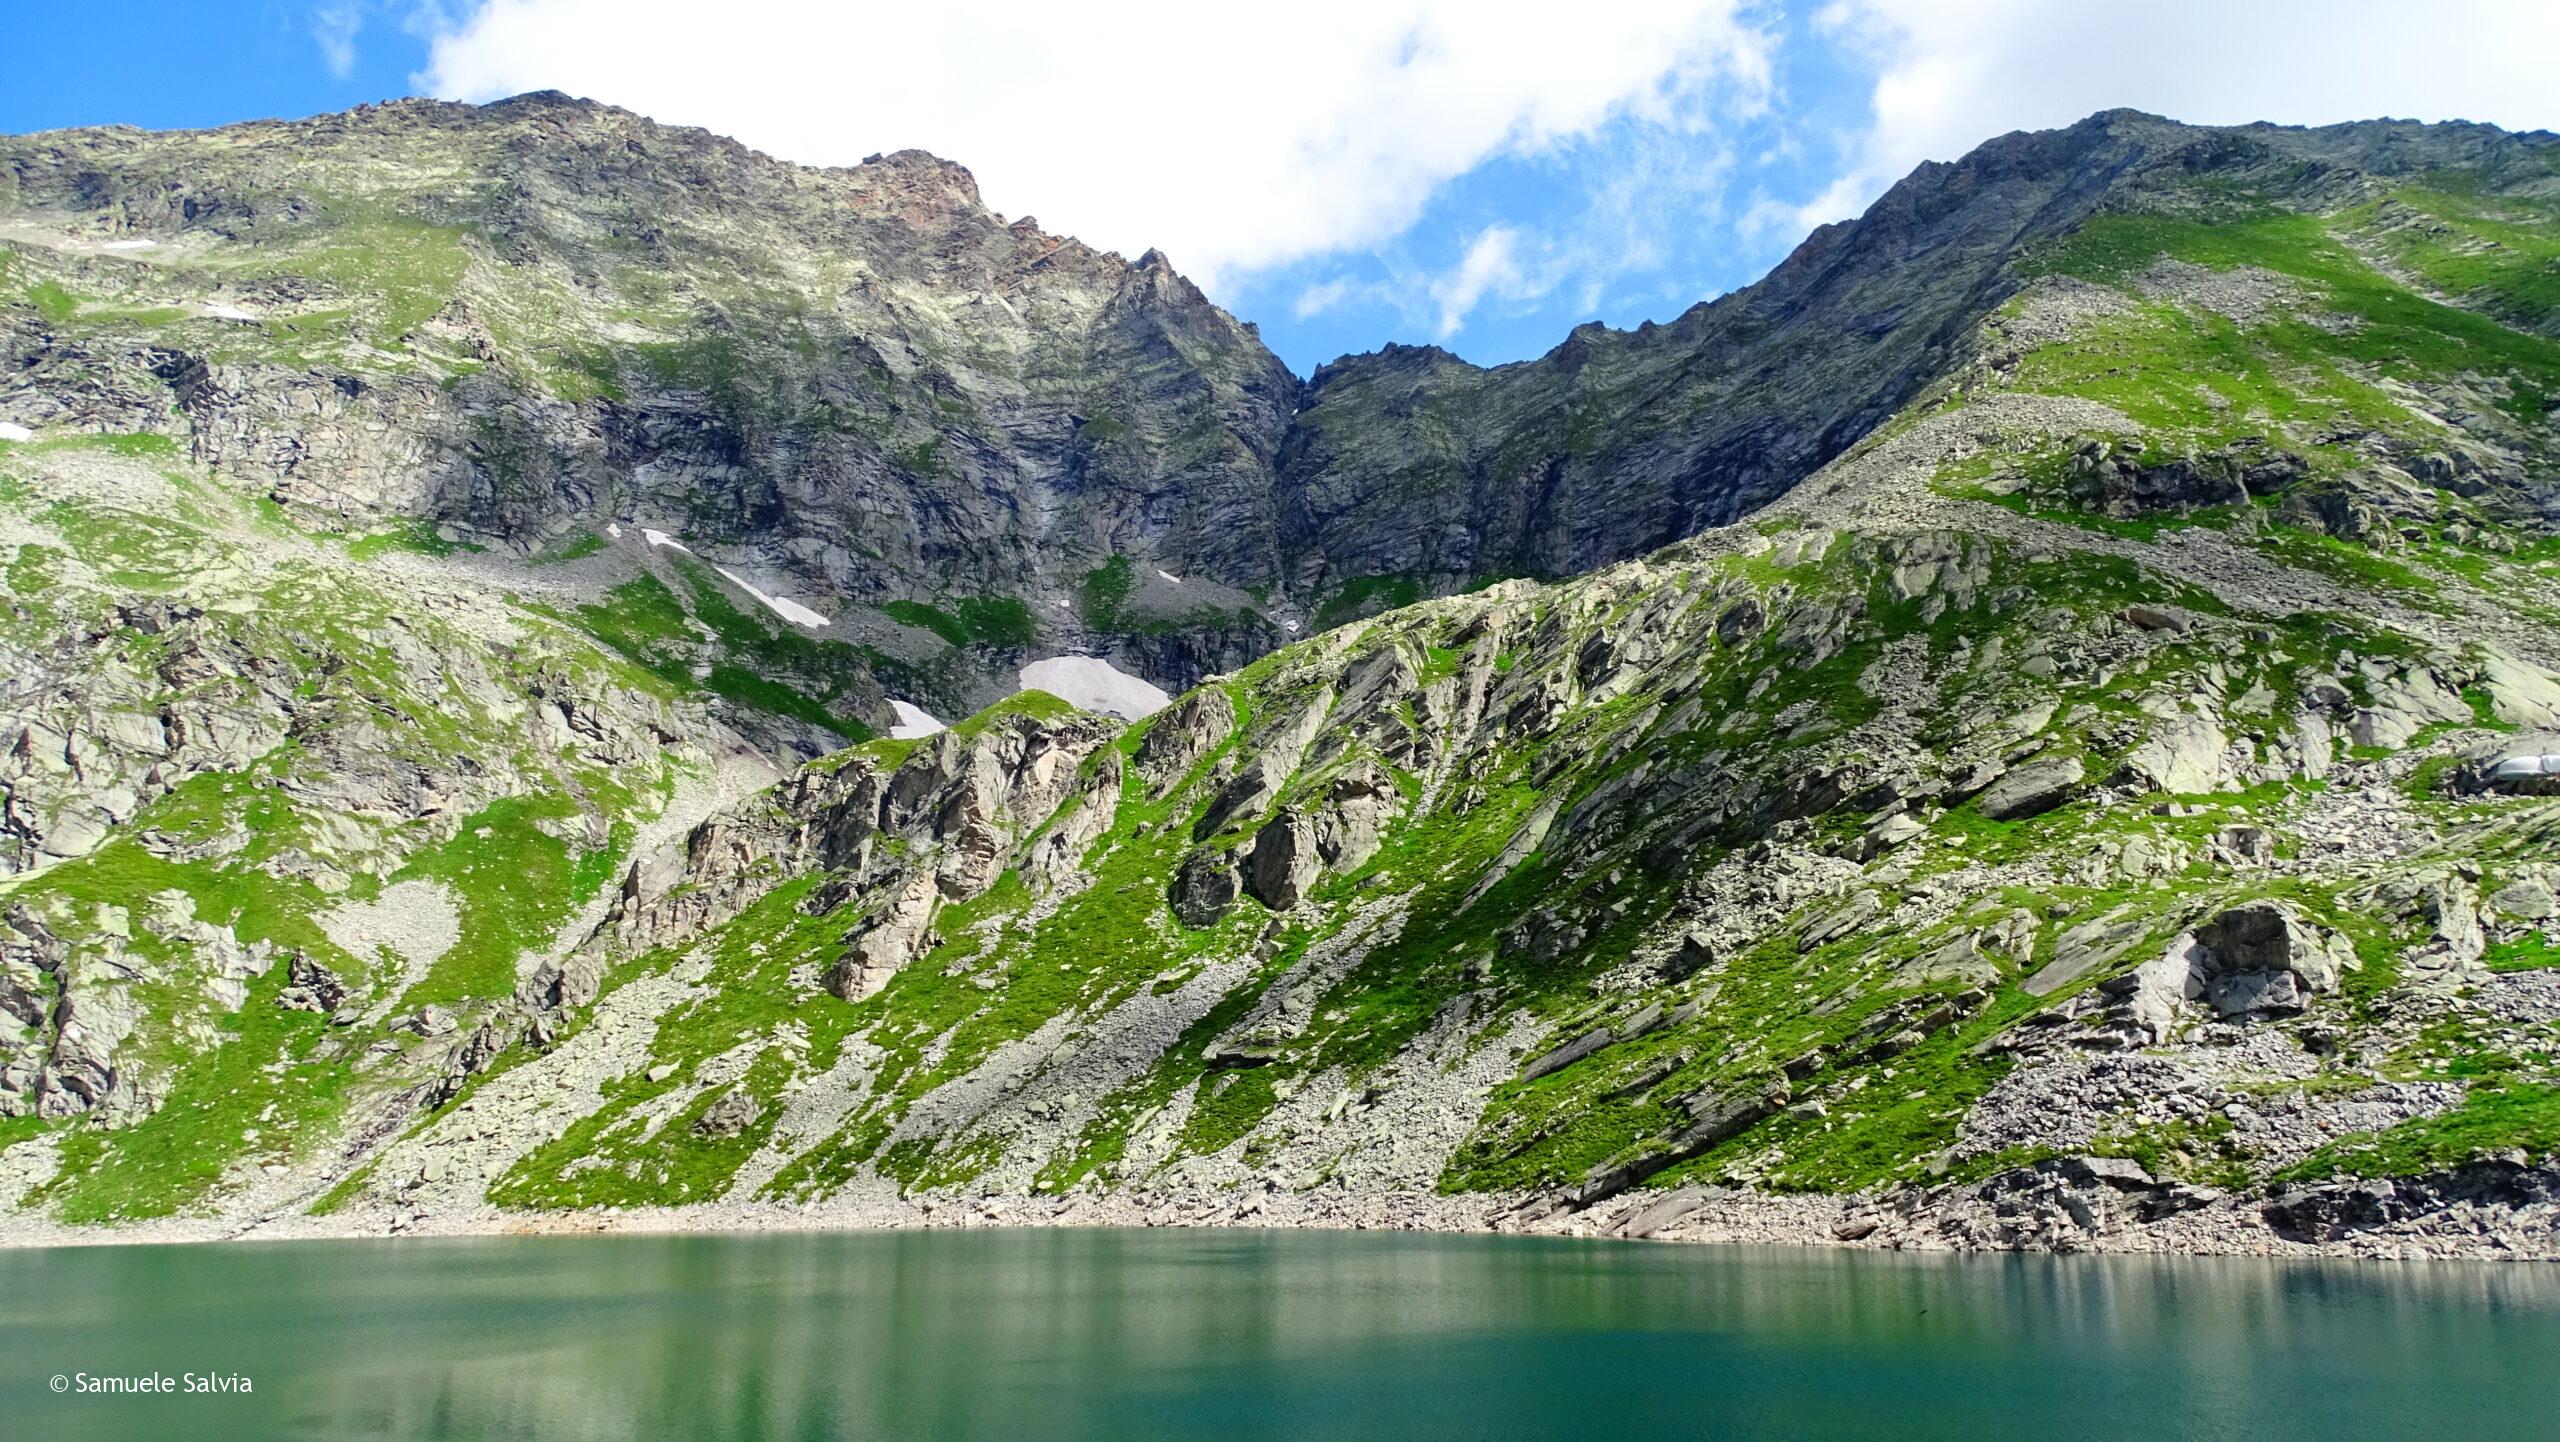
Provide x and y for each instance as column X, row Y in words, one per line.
column 1251, row 1335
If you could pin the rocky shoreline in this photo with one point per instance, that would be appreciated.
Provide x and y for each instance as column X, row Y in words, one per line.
column 2499, row 1210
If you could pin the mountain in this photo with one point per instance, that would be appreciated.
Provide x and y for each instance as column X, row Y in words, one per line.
column 970, row 442
column 2032, row 726
column 1618, row 442
column 511, row 323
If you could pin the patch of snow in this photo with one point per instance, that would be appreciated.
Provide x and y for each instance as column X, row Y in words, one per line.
column 1290, row 626
column 1168, row 575
column 656, row 537
column 1061, row 604
column 228, row 312
column 913, row 721
column 11, row 431
column 1093, row 684
column 129, row 245
column 612, row 530
column 782, row 606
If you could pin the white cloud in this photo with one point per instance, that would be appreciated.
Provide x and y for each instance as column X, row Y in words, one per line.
column 1490, row 267
column 1954, row 73
column 1317, row 299
column 1766, row 217
column 334, row 25
column 1647, row 199
column 1231, row 139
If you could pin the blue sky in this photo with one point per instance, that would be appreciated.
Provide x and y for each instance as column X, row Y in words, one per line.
column 1481, row 175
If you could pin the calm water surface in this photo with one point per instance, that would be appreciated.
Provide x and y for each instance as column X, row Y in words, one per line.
column 1253, row 1335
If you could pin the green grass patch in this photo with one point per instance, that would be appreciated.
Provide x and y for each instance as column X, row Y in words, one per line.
column 746, row 688
column 2533, row 951
column 142, row 445
column 261, row 1090
column 1367, row 596
column 1105, row 592
column 514, row 883
column 412, row 534
column 54, row 303
column 931, row 618
column 1003, row 621
column 2496, row 254
column 998, row 620
column 2495, row 1117
column 2397, row 333
column 577, row 548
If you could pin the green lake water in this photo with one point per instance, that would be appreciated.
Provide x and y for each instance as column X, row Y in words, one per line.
column 1241, row 1335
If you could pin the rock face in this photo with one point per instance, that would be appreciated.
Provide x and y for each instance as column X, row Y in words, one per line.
column 1283, row 863
column 2334, row 1211
column 2058, row 1205
column 896, row 844
column 2047, row 820
column 1196, row 726
column 2032, row 789
column 2264, row 958
column 1206, row 888
column 2519, row 766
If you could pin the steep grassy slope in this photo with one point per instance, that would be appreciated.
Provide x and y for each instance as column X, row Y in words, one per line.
column 1640, row 819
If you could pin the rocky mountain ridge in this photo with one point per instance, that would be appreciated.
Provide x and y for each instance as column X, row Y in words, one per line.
column 2105, row 802
column 971, row 441
column 1618, row 442
column 513, row 323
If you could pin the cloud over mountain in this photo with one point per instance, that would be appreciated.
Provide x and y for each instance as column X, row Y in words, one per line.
column 1227, row 139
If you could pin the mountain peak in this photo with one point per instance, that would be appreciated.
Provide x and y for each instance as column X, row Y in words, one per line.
column 925, row 169
column 546, row 100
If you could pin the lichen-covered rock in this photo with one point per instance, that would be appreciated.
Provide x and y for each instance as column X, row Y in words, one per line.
column 1183, row 734
column 2031, row 789
column 2263, row 957
column 735, row 1111
column 1205, row 888
column 2181, row 754
column 897, row 933
column 1285, row 861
